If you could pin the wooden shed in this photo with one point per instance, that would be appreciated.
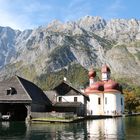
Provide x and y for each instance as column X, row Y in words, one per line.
column 19, row 97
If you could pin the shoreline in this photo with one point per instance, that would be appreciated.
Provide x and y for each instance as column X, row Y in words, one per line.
column 78, row 119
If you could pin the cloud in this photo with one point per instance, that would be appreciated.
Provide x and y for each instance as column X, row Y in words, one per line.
column 23, row 14
column 12, row 18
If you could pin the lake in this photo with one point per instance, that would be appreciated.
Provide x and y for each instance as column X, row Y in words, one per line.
column 118, row 128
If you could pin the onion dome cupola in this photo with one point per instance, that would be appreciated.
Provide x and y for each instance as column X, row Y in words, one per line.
column 92, row 75
column 105, row 73
column 93, row 86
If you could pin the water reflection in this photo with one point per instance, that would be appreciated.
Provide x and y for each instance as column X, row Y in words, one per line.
column 119, row 128
column 132, row 128
column 88, row 130
column 106, row 129
column 57, row 131
column 12, row 130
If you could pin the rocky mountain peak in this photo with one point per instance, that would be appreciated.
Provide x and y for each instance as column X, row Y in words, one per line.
column 88, row 41
column 92, row 23
column 7, row 45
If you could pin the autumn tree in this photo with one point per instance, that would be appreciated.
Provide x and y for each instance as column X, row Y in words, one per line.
column 132, row 101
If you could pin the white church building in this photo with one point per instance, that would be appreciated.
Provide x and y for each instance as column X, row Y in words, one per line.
column 106, row 97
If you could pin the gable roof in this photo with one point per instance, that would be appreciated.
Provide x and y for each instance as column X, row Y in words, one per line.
column 35, row 93
column 65, row 88
column 24, row 92
column 20, row 95
column 51, row 95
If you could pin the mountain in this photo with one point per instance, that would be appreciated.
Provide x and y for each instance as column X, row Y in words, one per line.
column 87, row 42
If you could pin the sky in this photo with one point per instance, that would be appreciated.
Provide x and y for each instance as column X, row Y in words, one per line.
column 29, row 14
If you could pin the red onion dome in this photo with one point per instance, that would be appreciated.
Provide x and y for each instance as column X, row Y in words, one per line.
column 91, row 91
column 105, row 69
column 111, row 85
column 92, row 73
column 97, row 86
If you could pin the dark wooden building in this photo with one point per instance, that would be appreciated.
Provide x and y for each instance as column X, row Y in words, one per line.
column 20, row 97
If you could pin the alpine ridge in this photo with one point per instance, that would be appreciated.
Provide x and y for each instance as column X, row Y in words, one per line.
column 89, row 41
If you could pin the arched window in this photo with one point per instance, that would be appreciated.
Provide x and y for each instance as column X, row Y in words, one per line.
column 105, row 100
column 99, row 101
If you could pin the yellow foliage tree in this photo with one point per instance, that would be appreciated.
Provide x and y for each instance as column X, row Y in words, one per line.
column 132, row 101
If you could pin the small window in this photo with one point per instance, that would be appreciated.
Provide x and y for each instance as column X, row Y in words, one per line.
column 121, row 101
column 11, row 91
column 8, row 91
column 75, row 99
column 60, row 99
column 105, row 100
column 99, row 101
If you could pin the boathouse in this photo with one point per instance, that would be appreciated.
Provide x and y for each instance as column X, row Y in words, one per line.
column 20, row 97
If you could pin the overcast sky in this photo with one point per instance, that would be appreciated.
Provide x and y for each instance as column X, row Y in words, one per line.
column 27, row 14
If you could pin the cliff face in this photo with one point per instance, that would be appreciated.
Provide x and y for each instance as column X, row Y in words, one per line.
column 89, row 41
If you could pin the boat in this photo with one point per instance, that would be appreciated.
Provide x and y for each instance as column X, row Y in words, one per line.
column 6, row 117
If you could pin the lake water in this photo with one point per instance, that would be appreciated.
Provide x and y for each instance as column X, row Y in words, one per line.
column 105, row 129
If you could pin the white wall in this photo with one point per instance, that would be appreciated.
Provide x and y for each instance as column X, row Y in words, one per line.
column 80, row 98
column 110, row 106
column 113, row 106
column 93, row 108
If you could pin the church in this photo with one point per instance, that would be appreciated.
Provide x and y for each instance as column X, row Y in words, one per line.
column 106, row 96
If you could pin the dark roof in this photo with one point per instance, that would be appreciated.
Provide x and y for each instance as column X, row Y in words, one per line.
column 18, row 96
column 51, row 95
column 65, row 88
column 67, row 104
column 35, row 93
column 23, row 91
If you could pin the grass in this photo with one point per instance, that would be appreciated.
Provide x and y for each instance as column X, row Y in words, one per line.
column 52, row 119
column 55, row 119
